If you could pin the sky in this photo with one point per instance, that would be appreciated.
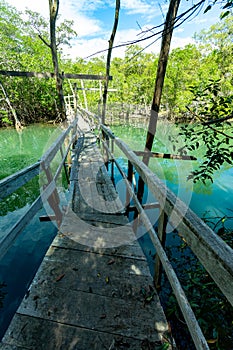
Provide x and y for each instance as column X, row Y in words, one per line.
column 93, row 21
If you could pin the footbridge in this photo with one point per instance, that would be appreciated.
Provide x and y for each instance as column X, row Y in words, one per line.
column 94, row 289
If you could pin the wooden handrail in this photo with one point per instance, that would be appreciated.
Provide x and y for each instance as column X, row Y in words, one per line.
column 214, row 254
column 49, row 192
column 11, row 183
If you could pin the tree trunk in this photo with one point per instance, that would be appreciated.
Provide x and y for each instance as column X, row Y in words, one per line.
column 18, row 125
column 53, row 10
column 161, row 71
column 108, row 64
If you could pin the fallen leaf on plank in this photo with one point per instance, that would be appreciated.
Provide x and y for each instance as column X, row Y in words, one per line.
column 60, row 277
column 110, row 262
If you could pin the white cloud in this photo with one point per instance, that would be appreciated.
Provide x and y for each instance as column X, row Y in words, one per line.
column 92, row 37
column 85, row 26
column 69, row 9
column 148, row 10
column 181, row 42
column 84, row 48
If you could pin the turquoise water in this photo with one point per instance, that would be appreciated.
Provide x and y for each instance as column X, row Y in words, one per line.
column 19, row 265
column 210, row 200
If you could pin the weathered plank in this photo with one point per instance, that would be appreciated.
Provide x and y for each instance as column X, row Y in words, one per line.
column 92, row 311
column 132, row 250
column 61, row 336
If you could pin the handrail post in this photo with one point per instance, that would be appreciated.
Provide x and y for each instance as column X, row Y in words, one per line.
column 162, row 224
column 64, row 164
column 106, row 158
column 53, row 199
column 130, row 179
column 112, row 162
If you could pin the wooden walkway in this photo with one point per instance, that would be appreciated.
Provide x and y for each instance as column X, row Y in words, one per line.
column 93, row 289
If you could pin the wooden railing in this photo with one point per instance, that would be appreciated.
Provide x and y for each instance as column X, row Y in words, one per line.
column 213, row 253
column 49, row 192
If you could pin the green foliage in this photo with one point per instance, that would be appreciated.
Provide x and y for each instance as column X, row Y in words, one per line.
column 209, row 129
column 133, row 76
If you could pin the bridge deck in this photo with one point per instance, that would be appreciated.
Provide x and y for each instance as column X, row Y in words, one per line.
column 93, row 289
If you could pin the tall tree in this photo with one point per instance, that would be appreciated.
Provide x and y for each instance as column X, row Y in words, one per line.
column 53, row 12
column 108, row 64
column 161, row 71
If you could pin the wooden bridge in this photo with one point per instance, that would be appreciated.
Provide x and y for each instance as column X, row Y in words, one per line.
column 93, row 289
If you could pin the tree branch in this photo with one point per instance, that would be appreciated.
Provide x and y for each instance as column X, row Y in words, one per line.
column 44, row 41
column 212, row 122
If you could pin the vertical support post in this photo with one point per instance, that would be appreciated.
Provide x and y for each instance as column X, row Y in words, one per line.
column 100, row 89
column 112, row 164
column 162, row 224
column 130, row 179
column 107, row 143
column 65, row 169
column 53, row 199
column 84, row 94
column 75, row 99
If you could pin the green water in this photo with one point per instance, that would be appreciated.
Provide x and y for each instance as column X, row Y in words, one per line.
column 18, row 150
column 18, row 266
column 210, row 200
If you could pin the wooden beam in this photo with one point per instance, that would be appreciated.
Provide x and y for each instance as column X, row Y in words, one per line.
column 146, row 206
column 164, row 155
column 51, row 75
column 96, row 89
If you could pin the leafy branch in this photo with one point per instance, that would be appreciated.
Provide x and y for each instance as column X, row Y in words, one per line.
column 208, row 107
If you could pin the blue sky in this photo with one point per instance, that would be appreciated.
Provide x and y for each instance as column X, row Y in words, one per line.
column 93, row 22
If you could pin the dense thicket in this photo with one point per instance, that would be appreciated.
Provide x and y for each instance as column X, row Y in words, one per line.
column 189, row 70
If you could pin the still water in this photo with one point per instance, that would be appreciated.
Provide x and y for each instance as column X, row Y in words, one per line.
column 18, row 267
column 210, row 200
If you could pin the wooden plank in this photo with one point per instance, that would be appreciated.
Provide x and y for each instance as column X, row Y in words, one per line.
column 33, row 333
column 81, row 309
column 132, row 250
column 146, row 206
column 98, row 237
column 11, row 183
column 91, row 272
column 11, row 347
column 51, row 75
